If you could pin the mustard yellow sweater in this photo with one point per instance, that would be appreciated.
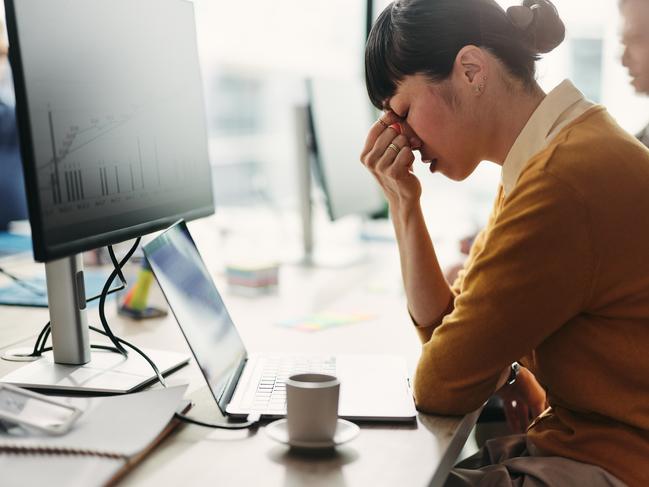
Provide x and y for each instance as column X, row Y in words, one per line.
column 559, row 279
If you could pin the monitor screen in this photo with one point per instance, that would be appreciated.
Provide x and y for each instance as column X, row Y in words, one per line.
column 198, row 308
column 111, row 118
column 341, row 117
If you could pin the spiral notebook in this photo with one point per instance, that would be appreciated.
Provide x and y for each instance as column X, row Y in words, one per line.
column 114, row 434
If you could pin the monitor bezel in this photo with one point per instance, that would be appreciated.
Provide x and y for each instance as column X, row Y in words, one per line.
column 42, row 251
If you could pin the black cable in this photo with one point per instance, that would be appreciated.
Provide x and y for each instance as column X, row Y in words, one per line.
column 24, row 284
column 41, row 292
column 252, row 420
column 116, row 266
column 39, row 347
column 96, row 347
column 47, row 334
column 144, row 355
column 102, row 300
column 40, row 343
column 117, row 289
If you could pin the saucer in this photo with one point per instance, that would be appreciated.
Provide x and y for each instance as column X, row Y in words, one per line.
column 345, row 431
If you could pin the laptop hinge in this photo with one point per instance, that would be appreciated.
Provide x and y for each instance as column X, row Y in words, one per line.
column 228, row 390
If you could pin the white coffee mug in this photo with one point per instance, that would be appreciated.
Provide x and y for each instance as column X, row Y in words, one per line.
column 312, row 407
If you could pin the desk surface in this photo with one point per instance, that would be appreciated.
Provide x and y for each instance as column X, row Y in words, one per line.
column 418, row 454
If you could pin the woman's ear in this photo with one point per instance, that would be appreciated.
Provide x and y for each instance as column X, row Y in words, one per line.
column 470, row 68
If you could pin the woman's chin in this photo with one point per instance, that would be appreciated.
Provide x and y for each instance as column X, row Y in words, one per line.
column 452, row 173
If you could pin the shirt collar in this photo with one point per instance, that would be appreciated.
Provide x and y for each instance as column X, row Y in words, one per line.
column 559, row 107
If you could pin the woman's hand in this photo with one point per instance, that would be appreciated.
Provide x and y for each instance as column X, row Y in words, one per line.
column 389, row 157
column 524, row 400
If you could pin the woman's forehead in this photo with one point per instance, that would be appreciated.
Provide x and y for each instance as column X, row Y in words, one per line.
column 411, row 86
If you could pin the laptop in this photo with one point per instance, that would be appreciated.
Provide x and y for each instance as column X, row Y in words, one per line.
column 372, row 387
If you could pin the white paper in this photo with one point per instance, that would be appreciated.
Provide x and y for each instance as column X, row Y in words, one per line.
column 37, row 470
column 116, row 425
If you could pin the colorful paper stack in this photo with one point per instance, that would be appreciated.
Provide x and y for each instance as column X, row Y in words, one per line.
column 324, row 320
column 252, row 279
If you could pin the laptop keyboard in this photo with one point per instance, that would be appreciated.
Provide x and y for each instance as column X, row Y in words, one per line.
column 271, row 387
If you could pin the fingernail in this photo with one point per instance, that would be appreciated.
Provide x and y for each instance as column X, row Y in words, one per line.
column 396, row 127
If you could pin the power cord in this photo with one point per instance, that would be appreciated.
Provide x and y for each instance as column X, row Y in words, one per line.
column 41, row 292
column 22, row 283
column 252, row 421
column 40, row 347
column 117, row 270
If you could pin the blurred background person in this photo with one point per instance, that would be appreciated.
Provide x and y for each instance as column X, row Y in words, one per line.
column 635, row 39
column 13, row 201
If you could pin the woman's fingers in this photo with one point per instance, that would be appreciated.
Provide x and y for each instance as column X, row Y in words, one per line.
column 378, row 128
column 382, row 148
column 538, row 408
column 403, row 163
column 389, row 157
column 400, row 168
column 391, row 152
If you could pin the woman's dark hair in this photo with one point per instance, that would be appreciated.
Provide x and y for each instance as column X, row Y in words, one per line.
column 424, row 36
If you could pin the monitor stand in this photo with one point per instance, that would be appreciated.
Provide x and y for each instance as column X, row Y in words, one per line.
column 335, row 248
column 320, row 254
column 106, row 373
column 70, row 367
column 334, row 258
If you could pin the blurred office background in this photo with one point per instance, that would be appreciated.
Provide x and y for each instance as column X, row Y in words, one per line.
column 255, row 55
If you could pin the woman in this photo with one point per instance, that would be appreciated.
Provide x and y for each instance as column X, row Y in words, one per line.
column 559, row 278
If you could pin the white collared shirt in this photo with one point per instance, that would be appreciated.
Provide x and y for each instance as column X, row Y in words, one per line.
column 560, row 107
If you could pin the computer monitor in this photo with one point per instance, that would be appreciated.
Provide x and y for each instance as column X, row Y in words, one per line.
column 330, row 132
column 113, row 136
column 340, row 118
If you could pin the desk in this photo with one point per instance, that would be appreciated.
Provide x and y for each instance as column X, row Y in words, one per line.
column 388, row 455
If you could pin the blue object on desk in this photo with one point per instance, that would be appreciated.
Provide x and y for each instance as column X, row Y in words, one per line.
column 16, row 295
column 12, row 186
column 11, row 243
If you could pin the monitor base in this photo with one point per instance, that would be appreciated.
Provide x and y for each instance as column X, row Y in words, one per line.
column 106, row 373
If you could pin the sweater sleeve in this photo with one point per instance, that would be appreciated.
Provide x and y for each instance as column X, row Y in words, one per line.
column 478, row 245
column 533, row 274
column 425, row 332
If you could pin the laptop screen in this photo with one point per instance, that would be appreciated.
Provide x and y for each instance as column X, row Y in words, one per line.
column 198, row 308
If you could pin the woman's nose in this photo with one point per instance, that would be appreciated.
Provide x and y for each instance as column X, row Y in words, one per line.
column 413, row 140
column 625, row 57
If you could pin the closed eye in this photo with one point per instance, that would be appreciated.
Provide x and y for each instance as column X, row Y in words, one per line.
column 387, row 106
column 402, row 117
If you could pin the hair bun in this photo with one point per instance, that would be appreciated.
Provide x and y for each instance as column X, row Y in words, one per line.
column 539, row 22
